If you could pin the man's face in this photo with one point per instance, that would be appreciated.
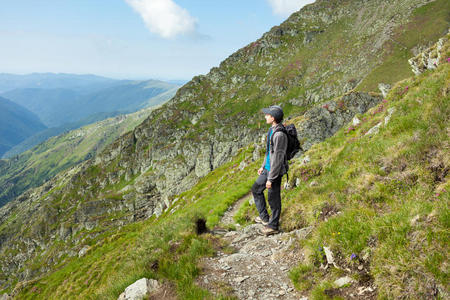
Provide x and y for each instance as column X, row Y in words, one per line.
column 269, row 119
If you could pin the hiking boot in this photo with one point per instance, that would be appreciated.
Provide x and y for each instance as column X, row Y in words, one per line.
column 261, row 221
column 269, row 231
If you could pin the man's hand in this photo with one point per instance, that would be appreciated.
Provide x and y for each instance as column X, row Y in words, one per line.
column 260, row 171
column 268, row 184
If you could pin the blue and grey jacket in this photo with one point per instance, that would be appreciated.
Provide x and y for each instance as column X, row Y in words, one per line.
column 277, row 155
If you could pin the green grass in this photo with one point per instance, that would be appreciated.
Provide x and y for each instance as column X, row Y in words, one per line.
column 427, row 23
column 115, row 260
column 377, row 207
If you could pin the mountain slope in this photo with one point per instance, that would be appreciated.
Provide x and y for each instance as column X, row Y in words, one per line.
column 379, row 203
column 16, row 124
column 36, row 166
column 46, row 134
column 300, row 63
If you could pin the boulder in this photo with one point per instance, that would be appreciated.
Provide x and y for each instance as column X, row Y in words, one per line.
column 140, row 289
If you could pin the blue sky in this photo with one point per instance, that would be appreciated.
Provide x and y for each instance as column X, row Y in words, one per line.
column 138, row 39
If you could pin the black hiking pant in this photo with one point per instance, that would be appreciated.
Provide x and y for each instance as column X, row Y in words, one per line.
column 274, row 199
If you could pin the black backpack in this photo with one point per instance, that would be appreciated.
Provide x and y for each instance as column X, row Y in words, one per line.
column 293, row 142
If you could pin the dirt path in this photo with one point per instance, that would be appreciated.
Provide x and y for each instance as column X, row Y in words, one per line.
column 258, row 269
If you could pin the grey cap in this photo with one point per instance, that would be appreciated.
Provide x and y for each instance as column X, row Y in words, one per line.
column 275, row 111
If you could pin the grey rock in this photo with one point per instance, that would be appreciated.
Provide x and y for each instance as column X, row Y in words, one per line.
column 83, row 251
column 342, row 281
column 329, row 255
column 374, row 130
column 241, row 279
column 429, row 59
column 384, row 88
column 140, row 289
column 323, row 121
column 389, row 115
column 356, row 121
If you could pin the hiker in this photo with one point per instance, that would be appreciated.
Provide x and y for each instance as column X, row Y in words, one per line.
column 270, row 174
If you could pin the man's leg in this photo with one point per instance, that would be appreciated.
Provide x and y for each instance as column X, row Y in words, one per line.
column 258, row 195
column 275, row 203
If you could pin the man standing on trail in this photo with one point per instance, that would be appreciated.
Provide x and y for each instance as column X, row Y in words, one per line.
column 271, row 172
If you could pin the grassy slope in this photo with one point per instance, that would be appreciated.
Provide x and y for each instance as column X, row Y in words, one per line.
column 164, row 248
column 378, row 184
column 392, row 192
column 427, row 23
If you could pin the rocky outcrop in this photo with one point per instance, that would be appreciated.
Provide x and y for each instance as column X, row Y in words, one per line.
column 325, row 120
column 428, row 59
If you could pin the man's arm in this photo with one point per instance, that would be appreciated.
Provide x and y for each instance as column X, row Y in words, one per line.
column 277, row 157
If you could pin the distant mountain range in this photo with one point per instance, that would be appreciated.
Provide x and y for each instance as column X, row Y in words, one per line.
column 54, row 81
column 64, row 102
column 16, row 124
column 59, row 106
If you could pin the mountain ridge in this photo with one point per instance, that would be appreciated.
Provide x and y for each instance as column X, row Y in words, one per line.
column 16, row 124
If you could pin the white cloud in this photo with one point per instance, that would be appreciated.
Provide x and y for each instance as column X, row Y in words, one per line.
column 164, row 17
column 286, row 7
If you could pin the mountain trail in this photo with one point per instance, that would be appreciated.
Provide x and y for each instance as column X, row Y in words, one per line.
column 258, row 267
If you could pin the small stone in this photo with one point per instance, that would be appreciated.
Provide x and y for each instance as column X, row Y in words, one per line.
column 231, row 233
column 281, row 292
column 83, row 251
column 356, row 121
column 305, row 160
column 343, row 281
column 241, row 279
column 414, row 220
column 226, row 268
column 282, row 268
column 366, row 255
column 388, row 117
column 374, row 129
column 360, row 267
column 313, row 183
column 384, row 88
column 329, row 255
